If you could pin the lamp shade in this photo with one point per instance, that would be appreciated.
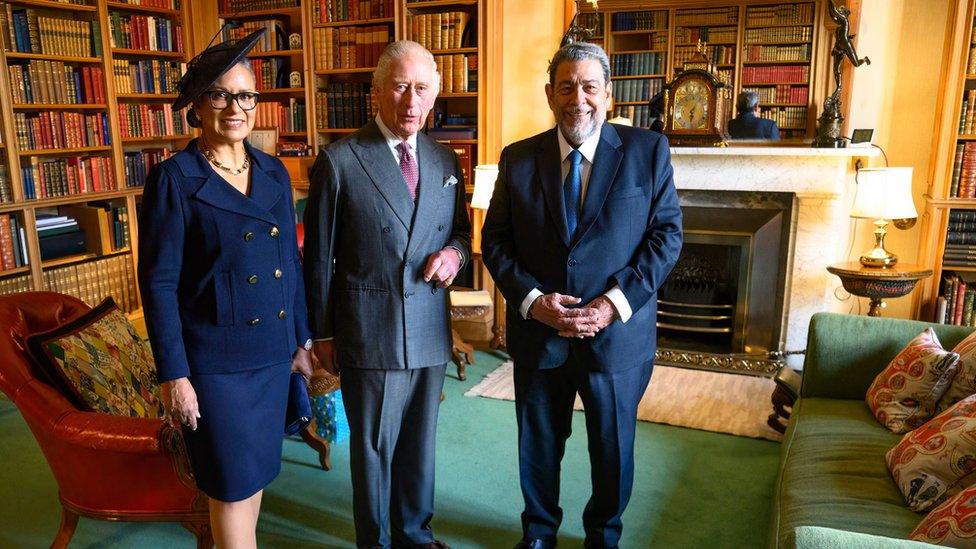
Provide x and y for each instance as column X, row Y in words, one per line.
column 484, row 185
column 884, row 193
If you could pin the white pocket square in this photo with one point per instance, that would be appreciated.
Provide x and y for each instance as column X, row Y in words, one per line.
column 450, row 181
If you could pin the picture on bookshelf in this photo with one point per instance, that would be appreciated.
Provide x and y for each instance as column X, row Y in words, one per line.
column 264, row 139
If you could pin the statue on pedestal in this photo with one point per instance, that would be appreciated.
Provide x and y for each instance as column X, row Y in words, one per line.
column 828, row 125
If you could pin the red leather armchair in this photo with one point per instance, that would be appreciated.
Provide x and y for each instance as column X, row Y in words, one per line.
column 107, row 467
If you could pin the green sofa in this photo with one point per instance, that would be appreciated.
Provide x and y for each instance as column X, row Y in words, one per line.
column 832, row 469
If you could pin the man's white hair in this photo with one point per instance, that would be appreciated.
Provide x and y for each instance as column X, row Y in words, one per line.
column 398, row 50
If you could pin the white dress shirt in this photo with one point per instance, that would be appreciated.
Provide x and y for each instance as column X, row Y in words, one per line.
column 588, row 150
column 393, row 141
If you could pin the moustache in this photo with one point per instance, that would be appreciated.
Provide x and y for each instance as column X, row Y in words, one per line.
column 577, row 110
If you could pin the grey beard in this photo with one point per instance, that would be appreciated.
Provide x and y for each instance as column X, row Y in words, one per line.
column 577, row 135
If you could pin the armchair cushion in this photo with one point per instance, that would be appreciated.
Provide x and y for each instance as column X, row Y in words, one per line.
column 101, row 363
column 964, row 382
column 953, row 523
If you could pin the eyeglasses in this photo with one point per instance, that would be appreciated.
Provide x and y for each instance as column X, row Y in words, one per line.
column 221, row 100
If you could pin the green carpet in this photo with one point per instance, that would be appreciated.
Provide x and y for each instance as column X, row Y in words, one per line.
column 692, row 489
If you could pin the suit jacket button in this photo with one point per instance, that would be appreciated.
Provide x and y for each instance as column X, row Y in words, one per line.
column 572, row 263
column 433, row 290
column 282, row 314
column 253, row 279
column 277, row 273
column 274, row 232
column 254, row 322
column 248, row 236
column 440, row 227
column 386, row 229
column 406, row 295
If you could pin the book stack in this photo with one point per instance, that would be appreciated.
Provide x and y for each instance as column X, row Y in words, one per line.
column 779, row 34
column 145, row 32
column 782, row 14
column 237, row 6
column 955, row 303
column 61, row 130
column 960, row 250
column 53, row 82
column 6, row 188
column 636, row 89
column 637, row 64
column 59, row 236
column 639, row 20
column 28, row 31
column 963, row 181
column 439, row 31
column 344, row 105
column 455, row 75
column 93, row 281
column 13, row 242
column 791, row 74
column 150, row 120
column 287, row 117
column 66, row 176
column 138, row 163
column 349, row 47
column 270, row 72
column 274, row 38
column 335, row 11
column 147, row 76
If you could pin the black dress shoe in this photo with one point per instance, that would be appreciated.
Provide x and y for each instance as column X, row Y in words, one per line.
column 533, row 544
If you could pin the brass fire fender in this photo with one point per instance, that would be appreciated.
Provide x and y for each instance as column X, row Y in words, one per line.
column 758, row 364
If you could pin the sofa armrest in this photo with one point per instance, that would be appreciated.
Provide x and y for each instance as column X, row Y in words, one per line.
column 818, row 537
column 846, row 352
column 97, row 431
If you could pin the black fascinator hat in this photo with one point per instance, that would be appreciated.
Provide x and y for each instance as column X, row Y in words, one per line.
column 203, row 70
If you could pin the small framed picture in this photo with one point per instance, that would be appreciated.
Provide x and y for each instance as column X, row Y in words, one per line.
column 295, row 41
column 295, row 79
column 862, row 138
column 264, row 139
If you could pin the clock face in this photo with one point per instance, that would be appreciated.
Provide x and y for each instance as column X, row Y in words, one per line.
column 691, row 105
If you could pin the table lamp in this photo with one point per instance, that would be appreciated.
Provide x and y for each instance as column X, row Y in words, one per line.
column 884, row 194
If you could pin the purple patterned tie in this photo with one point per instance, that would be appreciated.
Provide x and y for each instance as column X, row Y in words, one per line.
column 408, row 167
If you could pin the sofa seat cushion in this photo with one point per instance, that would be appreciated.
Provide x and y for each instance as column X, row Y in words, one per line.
column 833, row 473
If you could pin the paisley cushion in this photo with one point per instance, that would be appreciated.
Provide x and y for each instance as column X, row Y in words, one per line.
column 953, row 523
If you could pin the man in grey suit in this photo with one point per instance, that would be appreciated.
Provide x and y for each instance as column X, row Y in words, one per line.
column 386, row 231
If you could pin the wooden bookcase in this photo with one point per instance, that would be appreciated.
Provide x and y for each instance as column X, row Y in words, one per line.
column 769, row 47
column 39, row 133
column 951, row 194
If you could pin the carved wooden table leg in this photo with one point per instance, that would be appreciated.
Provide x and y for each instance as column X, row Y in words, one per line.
column 462, row 354
column 317, row 443
column 69, row 521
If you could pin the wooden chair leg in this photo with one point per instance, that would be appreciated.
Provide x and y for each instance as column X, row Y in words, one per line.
column 69, row 521
column 318, row 444
column 462, row 354
column 202, row 532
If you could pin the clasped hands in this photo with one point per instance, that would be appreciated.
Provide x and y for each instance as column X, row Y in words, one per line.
column 554, row 311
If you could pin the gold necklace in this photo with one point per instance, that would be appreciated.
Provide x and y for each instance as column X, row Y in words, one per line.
column 213, row 160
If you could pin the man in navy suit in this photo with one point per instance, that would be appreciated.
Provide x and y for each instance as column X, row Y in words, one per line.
column 583, row 228
column 748, row 125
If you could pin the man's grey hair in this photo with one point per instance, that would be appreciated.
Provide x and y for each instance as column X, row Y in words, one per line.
column 747, row 101
column 398, row 50
column 580, row 51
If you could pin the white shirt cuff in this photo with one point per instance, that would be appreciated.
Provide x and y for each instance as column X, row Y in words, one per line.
column 528, row 301
column 619, row 300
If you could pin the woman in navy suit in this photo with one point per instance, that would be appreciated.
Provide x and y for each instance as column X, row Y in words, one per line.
column 223, row 293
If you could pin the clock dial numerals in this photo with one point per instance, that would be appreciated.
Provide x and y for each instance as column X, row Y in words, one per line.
column 691, row 106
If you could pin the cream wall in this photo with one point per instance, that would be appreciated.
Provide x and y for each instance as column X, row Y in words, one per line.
column 896, row 95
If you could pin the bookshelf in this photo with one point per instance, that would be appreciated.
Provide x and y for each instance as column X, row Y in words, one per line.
column 86, row 87
column 638, row 48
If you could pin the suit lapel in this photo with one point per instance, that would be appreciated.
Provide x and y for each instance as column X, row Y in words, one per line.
column 429, row 191
column 220, row 194
column 605, row 164
column 549, row 167
column 266, row 190
column 376, row 159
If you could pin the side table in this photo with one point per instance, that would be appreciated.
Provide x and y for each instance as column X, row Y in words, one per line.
column 877, row 283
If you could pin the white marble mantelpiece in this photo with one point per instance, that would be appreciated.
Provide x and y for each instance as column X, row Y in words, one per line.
column 823, row 181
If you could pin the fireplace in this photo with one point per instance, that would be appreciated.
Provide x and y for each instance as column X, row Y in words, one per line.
column 724, row 305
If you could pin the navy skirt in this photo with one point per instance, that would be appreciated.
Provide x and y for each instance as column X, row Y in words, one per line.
column 236, row 449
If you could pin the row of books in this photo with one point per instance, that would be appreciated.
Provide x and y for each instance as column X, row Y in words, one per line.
column 13, row 242
column 967, row 114
column 691, row 36
column 145, row 32
column 270, row 73
column 333, row 11
column 960, row 255
column 719, row 55
column 634, row 64
column 344, row 105
column 796, row 74
column 287, row 117
column 960, row 246
column 777, row 53
column 439, row 31
column 963, row 181
column 53, row 82
column 636, row 89
column 61, row 130
column 786, row 117
column 66, row 176
column 147, row 76
column 782, row 14
column 150, row 120
column 25, row 31
column 639, row 20
column 16, row 284
column 237, row 6
column 971, row 60
column 706, row 16
column 164, row 4
column 779, row 34
column 6, row 189
column 349, row 47
column 640, row 115
column 138, row 163
column 782, row 93
column 955, row 303
column 93, row 281
column 275, row 35
column 459, row 72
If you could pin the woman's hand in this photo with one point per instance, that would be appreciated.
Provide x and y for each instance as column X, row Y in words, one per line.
column 180, row 402
column 302, row 363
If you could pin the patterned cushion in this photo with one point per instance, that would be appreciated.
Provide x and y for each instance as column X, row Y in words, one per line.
column 953, row 523
column 100, row 362
column 937, row 460
column 964, row 382
column 905, row 393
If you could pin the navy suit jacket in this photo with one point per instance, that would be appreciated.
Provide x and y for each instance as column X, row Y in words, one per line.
column 219, row 272
column 629, row 234
column 749, row 126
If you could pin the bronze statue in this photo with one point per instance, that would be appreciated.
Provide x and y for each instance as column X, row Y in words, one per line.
column 828, row 125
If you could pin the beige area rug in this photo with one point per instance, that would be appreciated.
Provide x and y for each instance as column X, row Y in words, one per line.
column 699, row 399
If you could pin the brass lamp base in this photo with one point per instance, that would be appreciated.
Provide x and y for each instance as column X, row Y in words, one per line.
column 879, row 257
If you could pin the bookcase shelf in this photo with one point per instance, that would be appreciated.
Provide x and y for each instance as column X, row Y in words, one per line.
column 633, row 76
column 629, row 32
column 779, row 26
column 778, row 43
column 277, row 53
column 51, row 57
column 75, row 198
column 282, row 91
column 18, row 270
column 361, row 70
column 358, row 22
column 59, row 107
column 137, row 8
column 768, row 63
column 63, row 152
column 81, row 258
column 53, row 5
column 147, row 96
column 151, row 139
column 336, row 130
column 148, row 53
column 292, row 12
column 441, row 4
column 458, row 95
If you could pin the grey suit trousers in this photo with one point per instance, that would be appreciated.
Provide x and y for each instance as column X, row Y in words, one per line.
column 392, row 422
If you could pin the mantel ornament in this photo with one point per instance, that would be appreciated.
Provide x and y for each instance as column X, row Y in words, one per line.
column 828, row 125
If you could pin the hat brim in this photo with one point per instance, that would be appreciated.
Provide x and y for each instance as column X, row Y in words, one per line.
column 205, row 69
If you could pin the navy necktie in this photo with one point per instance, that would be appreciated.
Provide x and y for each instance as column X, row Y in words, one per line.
column 572, row 188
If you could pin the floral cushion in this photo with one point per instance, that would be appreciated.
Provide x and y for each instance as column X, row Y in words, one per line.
column 937, row 460
column 905, row 394
column 100, row 362
column 953, row 523
column 964, row 382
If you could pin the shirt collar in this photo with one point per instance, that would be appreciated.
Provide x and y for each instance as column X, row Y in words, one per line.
column 587, row 148
column 392, row 140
